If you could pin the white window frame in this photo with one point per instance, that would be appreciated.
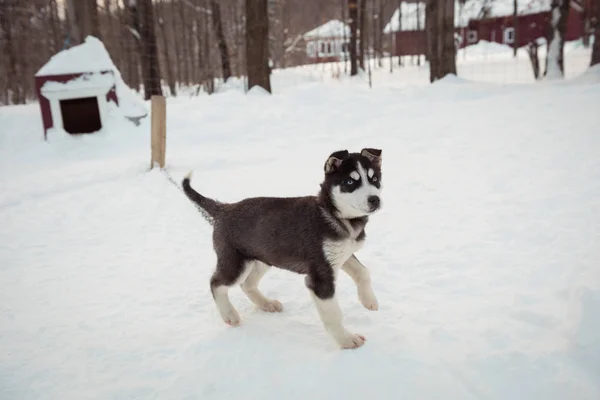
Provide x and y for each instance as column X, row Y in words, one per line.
column 472, row 37
column 509, row 35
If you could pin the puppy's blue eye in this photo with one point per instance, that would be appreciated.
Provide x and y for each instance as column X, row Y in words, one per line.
column 349, row 182
column 374, row 179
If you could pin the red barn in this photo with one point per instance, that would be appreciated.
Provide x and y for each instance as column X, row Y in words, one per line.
column 411, row 40
column 74, row 88
column 529, row 28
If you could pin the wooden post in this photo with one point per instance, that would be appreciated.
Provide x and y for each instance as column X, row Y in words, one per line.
column 159, row 130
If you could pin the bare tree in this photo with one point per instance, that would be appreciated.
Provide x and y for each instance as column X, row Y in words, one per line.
column 83, row 19
column 515, row 27
column 221, row 42
column 596, row 49
column 559, row 12
column 165, row 48
column 142, row 14
column 532, row 51
column 441, row 48
column 399, row 28
column 6, row 23
column 418, row 12
column 362, row 28
column 257, row 44
column 353, row 15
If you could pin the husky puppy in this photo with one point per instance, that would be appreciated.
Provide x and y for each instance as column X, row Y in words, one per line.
column 312, row 235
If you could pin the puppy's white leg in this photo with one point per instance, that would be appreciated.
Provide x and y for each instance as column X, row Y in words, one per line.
column 360, row 275
column 226, row 309
column 250, row 287
column 331, row 316
column 220, row 291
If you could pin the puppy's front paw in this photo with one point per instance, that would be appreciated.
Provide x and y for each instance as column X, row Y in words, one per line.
column 352, row 341
column 272, row 306
column 367, row 298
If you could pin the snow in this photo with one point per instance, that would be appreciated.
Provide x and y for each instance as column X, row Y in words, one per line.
column 484, row 258
column 331, row 29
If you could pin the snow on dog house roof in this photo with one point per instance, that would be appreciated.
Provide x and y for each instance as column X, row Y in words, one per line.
column 75, row 87
column 90, row 56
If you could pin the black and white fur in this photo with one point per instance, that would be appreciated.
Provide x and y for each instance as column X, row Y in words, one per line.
column 313, row 235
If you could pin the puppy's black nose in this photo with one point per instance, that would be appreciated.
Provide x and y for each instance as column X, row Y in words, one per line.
column 373, row 202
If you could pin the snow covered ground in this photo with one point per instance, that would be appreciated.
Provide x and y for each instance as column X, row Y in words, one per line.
column 485, row 258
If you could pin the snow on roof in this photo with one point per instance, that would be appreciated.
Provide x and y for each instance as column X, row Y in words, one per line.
column 333, row 28
column 409, row 18
column 90, row 56
column 472, row 10
column 86, row 81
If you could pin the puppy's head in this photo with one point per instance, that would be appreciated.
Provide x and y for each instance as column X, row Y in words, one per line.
column 353, row 181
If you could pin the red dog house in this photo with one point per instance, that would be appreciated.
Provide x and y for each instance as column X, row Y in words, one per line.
column 74, row 88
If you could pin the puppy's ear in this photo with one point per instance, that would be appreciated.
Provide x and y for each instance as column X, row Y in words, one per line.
column 374, row 155
column 335, row 160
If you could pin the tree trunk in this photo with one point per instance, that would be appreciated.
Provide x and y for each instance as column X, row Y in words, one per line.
column 221, row 42
column 209, row 78
column 74, row 29
column 177, row 63
column 532, row 50
column 55, row 26
column 257, row 44
column 586, row 25
column 418, row 28
column 94, row 21
column 363, row 33
column 83, row 19
column 353, row 16
column 558, row 26
column 167, row 54
column 185, row 56
column 148, row 50
column 441, row 47
column 516, row 28
column 596, row 49
column 345, row 38
column 379, row 32
column 6, row 22
column 399, row 29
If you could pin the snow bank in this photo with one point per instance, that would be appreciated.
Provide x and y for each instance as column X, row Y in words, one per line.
column 591, row 75
column 483, row 47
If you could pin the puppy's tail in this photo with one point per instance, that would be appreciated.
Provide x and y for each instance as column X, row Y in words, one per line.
column 209, row 208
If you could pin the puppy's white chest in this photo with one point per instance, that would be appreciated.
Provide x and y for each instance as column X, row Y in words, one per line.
column 337, row 252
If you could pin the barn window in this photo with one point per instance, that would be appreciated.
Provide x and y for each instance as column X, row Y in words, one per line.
column 344, row 47
column 472, row 36
column 310, row 49
column 81, row 115
column 321, row 48
column 509, row 35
